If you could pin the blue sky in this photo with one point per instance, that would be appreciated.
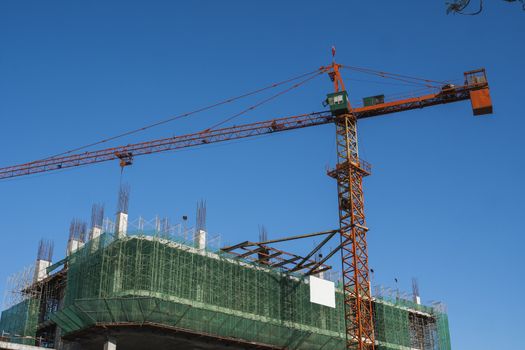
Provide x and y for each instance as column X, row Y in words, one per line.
column 444, row 204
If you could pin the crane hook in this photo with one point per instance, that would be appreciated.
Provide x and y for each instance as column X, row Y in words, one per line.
column 125, row 159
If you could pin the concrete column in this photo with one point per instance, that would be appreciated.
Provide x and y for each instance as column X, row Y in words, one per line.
column 95, row 232
column 200, row 239
column 40, row 270
column 73, row 245
column 93, row 238
column 121, row 227
column 110, row 344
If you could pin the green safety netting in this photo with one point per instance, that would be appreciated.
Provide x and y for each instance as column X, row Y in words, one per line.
column 19, row 322
column 151, row 279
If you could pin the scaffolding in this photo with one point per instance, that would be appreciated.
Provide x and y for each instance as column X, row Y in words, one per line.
column 404, row 324
column 159, row 278
column 19, row 320
column 150, row 279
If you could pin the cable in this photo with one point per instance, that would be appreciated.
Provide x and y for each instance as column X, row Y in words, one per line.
column 409, row 82
column 229, row 100
column 263, row 102
column 392, row 75
column 385, row 74
column 378, row 82
column 310, row 76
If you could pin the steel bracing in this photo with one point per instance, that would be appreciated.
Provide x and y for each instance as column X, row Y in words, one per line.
column 125, row 154
column 349, row 173
column 357, row 296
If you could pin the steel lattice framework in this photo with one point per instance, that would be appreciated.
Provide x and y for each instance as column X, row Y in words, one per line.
column 357, row 295
column 126, row 153
column 349, row 173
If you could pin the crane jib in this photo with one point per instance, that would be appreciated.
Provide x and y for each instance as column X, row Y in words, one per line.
column 455, row 94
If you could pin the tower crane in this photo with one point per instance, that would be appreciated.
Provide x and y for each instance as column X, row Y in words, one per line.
column 348, row 172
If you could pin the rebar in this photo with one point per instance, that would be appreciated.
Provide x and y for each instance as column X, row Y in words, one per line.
column 45, row 250
column 201, row 216
column 123, row 198
column 97, row 215
column 77, row 230
column 263, row 233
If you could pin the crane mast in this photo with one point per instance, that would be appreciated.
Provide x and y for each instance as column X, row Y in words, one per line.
column 349, row 172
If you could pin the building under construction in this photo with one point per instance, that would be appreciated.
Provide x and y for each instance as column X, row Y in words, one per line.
column 141, row 284
column 159, row 286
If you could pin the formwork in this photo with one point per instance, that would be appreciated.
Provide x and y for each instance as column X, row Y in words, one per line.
column 148, row 278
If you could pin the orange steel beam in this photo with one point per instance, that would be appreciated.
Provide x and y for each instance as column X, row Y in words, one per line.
column 168, row 144
column 349, row 173
column 232, row 133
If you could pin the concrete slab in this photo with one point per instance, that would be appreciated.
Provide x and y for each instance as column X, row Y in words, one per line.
column 14, row 346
